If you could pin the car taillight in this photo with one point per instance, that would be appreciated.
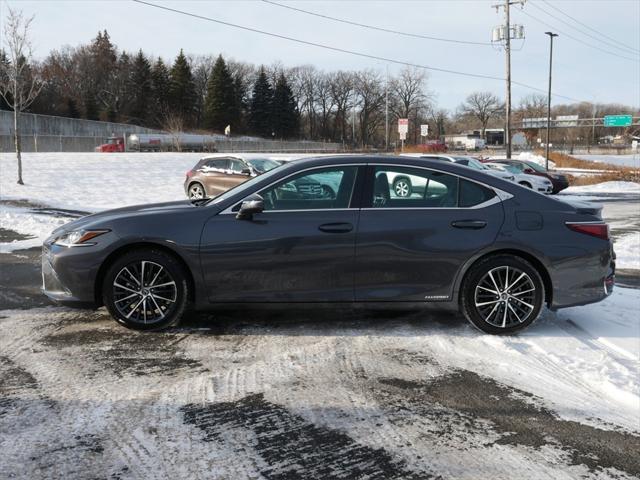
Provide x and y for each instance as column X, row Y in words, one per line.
column 189, row 173
column 599, row 230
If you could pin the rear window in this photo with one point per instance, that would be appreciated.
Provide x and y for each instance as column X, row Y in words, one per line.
column 472, row 194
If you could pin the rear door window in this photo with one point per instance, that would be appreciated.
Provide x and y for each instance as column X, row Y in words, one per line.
column 406, row 187
column 472, row 194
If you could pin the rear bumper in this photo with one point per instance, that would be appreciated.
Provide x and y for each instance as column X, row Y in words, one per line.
column 584, row 280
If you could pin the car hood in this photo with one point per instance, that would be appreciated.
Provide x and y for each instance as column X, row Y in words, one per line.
column 104, row 219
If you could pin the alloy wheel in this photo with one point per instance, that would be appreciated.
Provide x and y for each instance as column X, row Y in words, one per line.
column 505, row 297
column 401, row 188
column 144, row 292
column 196, row 192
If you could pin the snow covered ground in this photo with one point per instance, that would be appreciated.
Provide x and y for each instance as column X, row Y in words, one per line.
column 258, row 395
column 619, row 160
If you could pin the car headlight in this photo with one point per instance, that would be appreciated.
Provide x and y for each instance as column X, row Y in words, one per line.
column 78, row 238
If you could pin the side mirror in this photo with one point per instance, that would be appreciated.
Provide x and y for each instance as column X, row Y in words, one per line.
column 528, row 170
column 250, row 206
column 246, row 171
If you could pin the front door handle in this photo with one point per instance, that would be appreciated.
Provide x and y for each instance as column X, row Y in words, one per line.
column 335, row 227
column 470, row 224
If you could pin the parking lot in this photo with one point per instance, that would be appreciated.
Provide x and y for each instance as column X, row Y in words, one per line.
column 314, row 394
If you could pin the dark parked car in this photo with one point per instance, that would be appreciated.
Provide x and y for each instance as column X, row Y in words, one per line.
column 213, row 175
column 467, row 241
column 560, row 182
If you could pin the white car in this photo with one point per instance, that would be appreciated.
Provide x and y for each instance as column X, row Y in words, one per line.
column 406, row 185
column 534, row 182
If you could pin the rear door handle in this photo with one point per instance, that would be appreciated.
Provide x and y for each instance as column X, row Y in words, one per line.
column 470, row 224
column 335, row 227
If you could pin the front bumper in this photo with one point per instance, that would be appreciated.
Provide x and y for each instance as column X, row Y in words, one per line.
column 68, row 275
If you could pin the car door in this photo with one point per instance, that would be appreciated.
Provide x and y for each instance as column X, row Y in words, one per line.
column 239, row 172
column 214, row 174
column 410, row 248
column 299, row 249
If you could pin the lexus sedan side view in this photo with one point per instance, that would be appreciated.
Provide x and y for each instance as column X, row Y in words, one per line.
column 465, row 241
column 213, row 175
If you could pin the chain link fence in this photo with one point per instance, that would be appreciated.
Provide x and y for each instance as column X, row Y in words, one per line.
column 63, row 143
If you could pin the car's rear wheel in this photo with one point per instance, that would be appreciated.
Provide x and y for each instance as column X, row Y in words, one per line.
column 196, row 191
column 402, row 187
column 146, row 290
column 526, row 184
column 502, row 294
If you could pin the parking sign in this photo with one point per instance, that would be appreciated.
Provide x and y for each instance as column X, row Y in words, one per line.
column 403, row 126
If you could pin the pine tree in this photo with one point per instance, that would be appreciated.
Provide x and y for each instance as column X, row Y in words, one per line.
column 221, row 108
column 90, row 106
column 4, row 64
column 182, row 92
column 284, row 112
column 140, row 86
column 160, row 84
column 260, row 110
column 72, row 108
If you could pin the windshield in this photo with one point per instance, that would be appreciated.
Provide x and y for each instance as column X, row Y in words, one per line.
column 536, row 167
column 473, row 163
column 262, row 165
column 510, row 168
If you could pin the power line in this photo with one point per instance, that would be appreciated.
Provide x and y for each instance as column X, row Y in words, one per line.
column 575, row 38
column 616, row 43
column 373, row 27
column 342, row 50
column 624, row 50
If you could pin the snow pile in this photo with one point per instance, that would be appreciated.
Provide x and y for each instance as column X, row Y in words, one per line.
column 532, row 157
column 35, row 226
column 627, row 249
column 605, row 187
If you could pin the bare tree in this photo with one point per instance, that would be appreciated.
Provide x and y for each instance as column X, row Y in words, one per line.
column 173, row 123
column 19, row 83
column 341, row 94
column 369, row 88
column 482, row 106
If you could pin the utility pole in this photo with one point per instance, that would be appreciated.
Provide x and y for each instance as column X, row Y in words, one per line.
column 551, row 35
column 505, row 33
column 386, row 112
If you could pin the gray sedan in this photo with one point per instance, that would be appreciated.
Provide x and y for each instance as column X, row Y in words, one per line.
column 464, row 241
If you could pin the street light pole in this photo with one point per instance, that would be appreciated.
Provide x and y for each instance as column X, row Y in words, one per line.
column 551, row 35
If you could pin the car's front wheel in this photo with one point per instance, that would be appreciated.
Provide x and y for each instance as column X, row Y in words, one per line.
column 145, row 290
column 526, row 184
column 502, row 294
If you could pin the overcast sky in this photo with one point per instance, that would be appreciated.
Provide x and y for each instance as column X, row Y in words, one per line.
column 580, row 72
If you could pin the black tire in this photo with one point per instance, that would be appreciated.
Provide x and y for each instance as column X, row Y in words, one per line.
column 526, row 184
column 514, row 308
column 402, row 187
column 196, row 191
column 133, row 275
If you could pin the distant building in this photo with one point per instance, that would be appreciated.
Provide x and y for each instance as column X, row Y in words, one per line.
column 472, row 140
